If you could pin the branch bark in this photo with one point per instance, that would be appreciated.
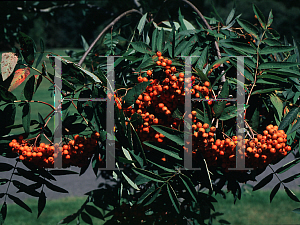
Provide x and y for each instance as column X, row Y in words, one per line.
column 208, row 27
column 104, row 30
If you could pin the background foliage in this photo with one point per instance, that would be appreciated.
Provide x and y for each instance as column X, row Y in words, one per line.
column 60, row 23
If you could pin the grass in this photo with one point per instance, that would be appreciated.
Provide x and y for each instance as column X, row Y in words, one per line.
column 252, row 209
column 255, row 208
column 54, row 211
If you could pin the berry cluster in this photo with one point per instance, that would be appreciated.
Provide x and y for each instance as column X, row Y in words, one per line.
column 76, row 153
column 166, row 93
column 162, row 96
column 258, row 152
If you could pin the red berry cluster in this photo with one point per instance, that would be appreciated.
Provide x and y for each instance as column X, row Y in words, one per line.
column 76, row 153
column 258, row 152
column 157, row 103
column 160, row 99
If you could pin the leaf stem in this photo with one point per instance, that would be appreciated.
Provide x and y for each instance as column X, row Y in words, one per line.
column 10, row 180
column 276, row 175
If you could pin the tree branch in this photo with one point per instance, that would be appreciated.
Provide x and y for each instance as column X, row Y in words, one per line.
column 208, row 27
column 104, row 30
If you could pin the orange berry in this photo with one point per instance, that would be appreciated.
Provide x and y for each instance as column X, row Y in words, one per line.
column 147, row 98
column 205, row 126
column 161, row 135
column 259, row 136
column 163, row 64
column 158, row 53
column 205, row 135
column 269, row 127
column 213, row 129
column 227, row 140
column 155, row 121
column 149, row 72
column 174, row 78
column 288, row 148
column 194, row 113
column 21, row 157
column 158, row 63
column 161, row 105
column 140, row 79
column 160, row 140
column 42, row 145
column 206, row 83
column 231, row 144
column 272, row 131
column 169, row 62
column 249, row 149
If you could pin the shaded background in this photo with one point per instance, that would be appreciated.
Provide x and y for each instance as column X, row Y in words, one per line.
column 60, row 23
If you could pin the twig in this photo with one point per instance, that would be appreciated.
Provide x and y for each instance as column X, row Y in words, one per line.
column 10, row 180
column 276, row 175
column 31, row 67
column 249, row 128
column 209, row 27
column 104, row 30
column 256, row 69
